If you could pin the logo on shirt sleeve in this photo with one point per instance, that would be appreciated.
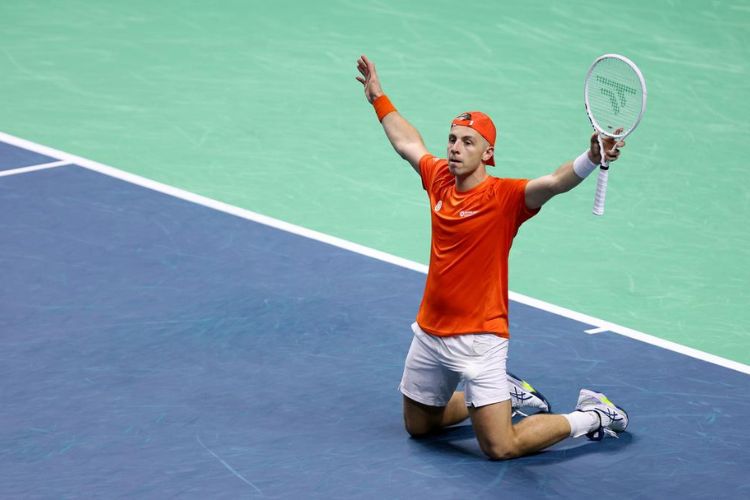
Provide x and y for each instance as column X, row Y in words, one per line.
column 439, row 205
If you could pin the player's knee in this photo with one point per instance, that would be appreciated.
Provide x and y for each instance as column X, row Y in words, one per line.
column 421, row 420
column 417, row 429
column 417, row 432
column 500, row 450
column 419, row 426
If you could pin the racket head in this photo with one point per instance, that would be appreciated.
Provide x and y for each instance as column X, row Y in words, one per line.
column 615, row 95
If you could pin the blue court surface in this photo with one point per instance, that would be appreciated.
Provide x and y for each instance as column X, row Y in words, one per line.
column 155, row 348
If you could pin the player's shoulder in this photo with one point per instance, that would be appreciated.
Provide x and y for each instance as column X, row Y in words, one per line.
column 431, row 161
column 504, row 183
column 510, row 182
column 431, row 168
column 502, row 187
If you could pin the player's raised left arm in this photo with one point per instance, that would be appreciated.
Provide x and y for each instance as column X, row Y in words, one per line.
column 570, row 174
column 402, row 135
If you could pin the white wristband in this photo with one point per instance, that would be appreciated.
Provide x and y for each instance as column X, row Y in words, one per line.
column 582, row 166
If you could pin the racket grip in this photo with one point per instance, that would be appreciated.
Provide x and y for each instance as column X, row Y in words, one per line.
column 601, row 191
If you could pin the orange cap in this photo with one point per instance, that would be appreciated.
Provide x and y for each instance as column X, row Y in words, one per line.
column 482, row 124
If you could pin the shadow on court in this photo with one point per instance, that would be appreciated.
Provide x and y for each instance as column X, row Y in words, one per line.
column 461, row 441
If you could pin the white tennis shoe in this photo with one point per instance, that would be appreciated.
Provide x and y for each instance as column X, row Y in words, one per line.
column 523, row 397
column 612, row 418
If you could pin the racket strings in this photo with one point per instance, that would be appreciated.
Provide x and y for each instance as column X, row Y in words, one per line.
column 615, row 96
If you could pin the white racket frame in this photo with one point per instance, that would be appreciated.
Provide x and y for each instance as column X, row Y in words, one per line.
column 601, row 182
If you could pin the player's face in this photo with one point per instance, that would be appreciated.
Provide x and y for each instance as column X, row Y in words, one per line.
column 465, row 150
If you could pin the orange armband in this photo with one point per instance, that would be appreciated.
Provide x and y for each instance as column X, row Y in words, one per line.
column 383, row 106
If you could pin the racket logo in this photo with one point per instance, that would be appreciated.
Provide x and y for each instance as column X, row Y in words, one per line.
column 616, row 88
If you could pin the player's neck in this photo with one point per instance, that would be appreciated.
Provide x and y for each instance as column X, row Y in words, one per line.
column 472, row 180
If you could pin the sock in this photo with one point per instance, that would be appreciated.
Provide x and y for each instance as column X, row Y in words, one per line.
column 582, row 422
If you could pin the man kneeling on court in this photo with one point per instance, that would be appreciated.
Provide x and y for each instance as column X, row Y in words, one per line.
column 461, row 330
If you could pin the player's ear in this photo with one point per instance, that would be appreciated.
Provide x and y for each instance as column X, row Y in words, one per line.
column 488, row 153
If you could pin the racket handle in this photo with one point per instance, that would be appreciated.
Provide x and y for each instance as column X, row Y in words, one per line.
column 601, row 191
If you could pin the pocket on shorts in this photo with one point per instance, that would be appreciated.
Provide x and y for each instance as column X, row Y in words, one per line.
column 485, row 342
column 416, row 330
column 420, row 334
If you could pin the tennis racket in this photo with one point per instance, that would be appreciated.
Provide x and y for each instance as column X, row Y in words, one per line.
column 615, row 97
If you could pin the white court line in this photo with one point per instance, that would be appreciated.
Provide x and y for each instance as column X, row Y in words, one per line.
column 594, row 331
column 34, row 168
column 597, row 323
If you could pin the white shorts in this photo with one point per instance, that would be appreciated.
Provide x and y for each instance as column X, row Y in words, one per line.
column 435, row 365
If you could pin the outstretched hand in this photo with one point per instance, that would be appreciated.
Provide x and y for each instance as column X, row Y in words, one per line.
column 611, row 148
column 369, row 79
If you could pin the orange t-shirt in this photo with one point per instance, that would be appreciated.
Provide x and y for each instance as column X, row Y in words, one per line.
column 472, row 231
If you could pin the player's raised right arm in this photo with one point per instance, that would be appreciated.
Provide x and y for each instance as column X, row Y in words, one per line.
column 404, row 138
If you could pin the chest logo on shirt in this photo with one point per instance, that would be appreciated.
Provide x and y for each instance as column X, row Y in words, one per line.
column 439, row 205
column 467, row 213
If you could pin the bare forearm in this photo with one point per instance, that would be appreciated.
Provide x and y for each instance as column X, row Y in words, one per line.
column 540, row 190
column 565, row 178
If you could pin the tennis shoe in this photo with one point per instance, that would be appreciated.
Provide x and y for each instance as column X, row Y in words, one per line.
column 524, row 397
column 612, row 418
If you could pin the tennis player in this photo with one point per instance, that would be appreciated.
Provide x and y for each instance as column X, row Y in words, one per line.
column 461, row 329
